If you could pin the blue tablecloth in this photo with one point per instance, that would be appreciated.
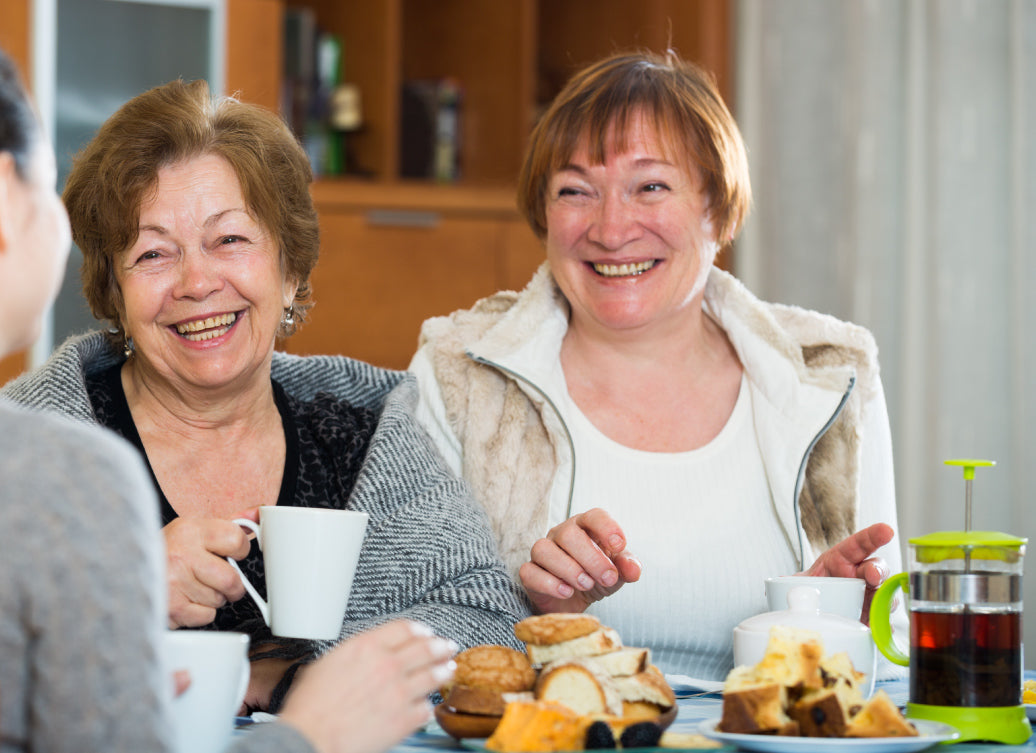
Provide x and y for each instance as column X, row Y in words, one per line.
column 695, row 708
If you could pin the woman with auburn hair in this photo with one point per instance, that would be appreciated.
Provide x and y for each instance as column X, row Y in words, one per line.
column 198, row 234
column 633, row 381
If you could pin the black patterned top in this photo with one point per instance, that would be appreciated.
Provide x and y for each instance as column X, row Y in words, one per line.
column 326, row 441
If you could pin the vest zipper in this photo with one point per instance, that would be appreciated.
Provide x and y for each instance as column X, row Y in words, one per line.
column 568, row 435
column 800, row 479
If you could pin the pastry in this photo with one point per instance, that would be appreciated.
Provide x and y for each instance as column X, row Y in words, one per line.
column 796, row 689
column 757, row 709
column 879, row 717
column 538, row 727
column 547, row 629
column 601, row 641
column 477, row 696
column 580, row 686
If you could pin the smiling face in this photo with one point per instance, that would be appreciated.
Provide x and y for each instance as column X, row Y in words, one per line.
column 629, row 241
column 203, row 288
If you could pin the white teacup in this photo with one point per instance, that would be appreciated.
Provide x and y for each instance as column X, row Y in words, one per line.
column 841, row 596
column 203, row 715
column 309, row 557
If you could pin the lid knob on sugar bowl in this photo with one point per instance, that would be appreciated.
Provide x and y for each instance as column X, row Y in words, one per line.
column 837, row 633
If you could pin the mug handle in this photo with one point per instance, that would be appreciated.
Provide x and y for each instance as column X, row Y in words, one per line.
column 881, row 618
column 264, row 608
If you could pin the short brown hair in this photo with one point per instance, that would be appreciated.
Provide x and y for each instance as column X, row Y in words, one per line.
column 114, row 174
column 686, row 108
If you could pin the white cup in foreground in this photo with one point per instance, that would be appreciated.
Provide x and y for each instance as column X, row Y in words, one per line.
column 309, row 557
column 203, row 715
column 841, row 596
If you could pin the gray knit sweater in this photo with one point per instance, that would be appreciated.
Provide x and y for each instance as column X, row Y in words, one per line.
column 82, row 602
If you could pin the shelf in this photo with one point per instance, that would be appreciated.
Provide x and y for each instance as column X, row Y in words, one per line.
column 343, row 194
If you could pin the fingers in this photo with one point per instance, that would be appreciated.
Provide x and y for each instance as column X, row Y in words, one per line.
column 181, row 681
column 629, row 567
column 845, row 558
column 200, row 578
column 862, row 544
column 874, row 571
column 225, row 539
column 250, row 513
column 581, row 551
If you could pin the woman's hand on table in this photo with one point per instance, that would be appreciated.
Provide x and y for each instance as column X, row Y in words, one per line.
column 851, row 558
column 199, row 576
column 372, row 690
column 579, row 562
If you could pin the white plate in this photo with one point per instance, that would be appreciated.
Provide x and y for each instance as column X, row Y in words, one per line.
column 1030, row 711
column 929, row 733
column 683, row 684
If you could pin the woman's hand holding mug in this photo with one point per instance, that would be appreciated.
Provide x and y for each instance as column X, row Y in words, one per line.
column 199, row 577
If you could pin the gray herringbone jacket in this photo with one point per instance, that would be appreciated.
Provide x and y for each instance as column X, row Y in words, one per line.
column 429, row 553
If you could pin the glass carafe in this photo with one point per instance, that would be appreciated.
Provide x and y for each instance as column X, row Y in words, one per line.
column 964, row 593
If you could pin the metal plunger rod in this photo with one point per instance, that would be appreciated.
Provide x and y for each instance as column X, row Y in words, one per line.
column 967, row 504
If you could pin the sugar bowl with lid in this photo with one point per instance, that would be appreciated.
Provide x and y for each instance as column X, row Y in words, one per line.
column 837, row 633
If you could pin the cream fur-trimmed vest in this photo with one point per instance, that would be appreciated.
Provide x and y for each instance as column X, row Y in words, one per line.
column 513, row 443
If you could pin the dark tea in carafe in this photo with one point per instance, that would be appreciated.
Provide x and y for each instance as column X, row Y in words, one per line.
column 965, row 658
column 964, row 593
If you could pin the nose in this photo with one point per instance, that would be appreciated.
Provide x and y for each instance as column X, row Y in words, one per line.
column 614, row 223
column 199, row 276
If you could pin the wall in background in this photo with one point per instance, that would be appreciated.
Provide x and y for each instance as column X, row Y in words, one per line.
column 891, row 149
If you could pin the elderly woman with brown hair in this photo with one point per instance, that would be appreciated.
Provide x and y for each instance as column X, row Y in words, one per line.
column 198, row 235
column 634, row 381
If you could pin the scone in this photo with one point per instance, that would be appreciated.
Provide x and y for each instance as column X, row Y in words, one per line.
column 476, row 698
column 548, row 629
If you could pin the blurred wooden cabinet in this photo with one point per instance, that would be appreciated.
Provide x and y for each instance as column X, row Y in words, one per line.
column 391, row 255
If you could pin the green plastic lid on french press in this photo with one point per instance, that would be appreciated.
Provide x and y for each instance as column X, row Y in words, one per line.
column 967, row 544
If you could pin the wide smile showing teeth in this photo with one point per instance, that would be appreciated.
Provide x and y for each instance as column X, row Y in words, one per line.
column 624, row 270
column 206, row 329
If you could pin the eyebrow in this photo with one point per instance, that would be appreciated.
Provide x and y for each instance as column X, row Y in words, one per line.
column 640, row 162
column 209, row 221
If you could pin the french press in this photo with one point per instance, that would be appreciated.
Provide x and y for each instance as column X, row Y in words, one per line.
column 964, row 592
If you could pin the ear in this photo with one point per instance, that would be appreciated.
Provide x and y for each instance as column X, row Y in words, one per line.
column 8, row 176
column 291, row 287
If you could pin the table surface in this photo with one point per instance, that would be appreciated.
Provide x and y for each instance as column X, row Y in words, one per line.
column 695, row 708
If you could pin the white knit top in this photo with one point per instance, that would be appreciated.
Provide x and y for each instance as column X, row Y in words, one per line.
column 703, row 568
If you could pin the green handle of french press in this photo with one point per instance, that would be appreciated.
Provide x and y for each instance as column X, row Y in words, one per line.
column 881, row 617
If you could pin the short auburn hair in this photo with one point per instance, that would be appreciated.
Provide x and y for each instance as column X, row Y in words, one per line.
column 118, row 170
column 681, row 100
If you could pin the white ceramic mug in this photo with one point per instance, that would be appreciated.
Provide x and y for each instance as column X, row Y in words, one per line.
column 841, row 596
column 309, row 557
column 203, row 715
